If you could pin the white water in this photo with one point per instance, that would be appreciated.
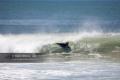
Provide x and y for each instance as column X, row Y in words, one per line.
column 76, row 70
column 29, row 43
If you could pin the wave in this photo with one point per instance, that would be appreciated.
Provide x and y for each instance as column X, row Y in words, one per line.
column 89, row 43
column 82, row 44
column 37, row 22
column 31, row 42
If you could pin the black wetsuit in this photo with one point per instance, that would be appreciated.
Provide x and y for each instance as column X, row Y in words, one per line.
column 65, row 46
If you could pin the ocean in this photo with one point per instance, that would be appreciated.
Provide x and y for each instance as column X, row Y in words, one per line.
column 92, row 28
column 54, row 16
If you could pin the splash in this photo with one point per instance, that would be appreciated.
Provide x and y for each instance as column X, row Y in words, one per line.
column 31, row 43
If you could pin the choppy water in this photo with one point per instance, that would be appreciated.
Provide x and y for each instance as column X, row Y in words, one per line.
column 95, row 69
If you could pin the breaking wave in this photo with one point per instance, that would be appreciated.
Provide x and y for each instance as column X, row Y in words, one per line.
column 83, row 43
column 79, row 42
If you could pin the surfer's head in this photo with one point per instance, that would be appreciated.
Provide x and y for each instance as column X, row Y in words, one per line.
column 67, row 43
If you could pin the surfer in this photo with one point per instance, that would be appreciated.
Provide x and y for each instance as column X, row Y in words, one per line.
column 65, row 46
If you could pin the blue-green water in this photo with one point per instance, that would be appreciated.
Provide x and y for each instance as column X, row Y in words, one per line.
column 50, row 16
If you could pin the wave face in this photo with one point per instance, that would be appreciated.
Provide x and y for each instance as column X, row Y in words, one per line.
column 45, row 43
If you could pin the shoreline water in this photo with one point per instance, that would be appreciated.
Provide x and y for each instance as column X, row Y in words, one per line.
column 71, row 70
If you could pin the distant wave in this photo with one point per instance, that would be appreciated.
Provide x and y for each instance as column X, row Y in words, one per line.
column 38, row 22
